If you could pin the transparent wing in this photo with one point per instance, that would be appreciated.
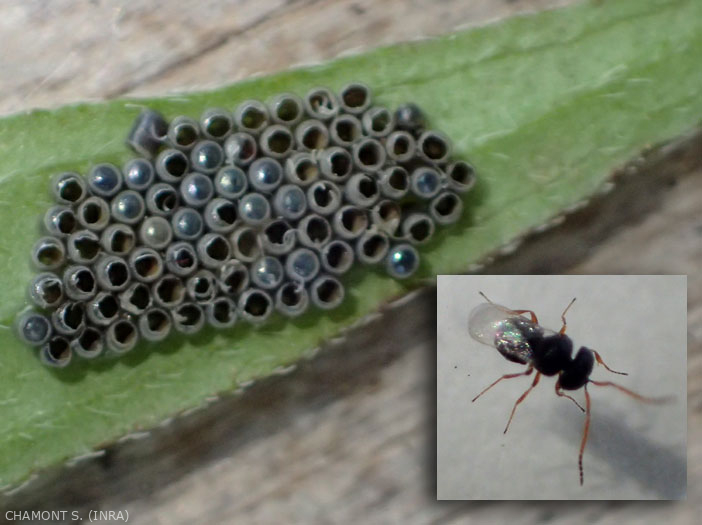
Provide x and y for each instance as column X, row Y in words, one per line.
column 505, row 330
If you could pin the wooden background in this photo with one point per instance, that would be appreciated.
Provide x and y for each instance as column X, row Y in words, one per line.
column 349, row 435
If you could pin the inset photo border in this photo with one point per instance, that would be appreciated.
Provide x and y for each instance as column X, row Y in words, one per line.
column 636, row 448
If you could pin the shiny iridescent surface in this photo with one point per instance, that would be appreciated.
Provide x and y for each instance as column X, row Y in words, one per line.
column 505, row 330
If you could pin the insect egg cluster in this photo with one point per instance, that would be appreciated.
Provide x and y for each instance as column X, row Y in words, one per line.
column 234, row 216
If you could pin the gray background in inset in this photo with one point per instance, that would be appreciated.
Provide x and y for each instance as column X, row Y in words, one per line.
column 635, row 451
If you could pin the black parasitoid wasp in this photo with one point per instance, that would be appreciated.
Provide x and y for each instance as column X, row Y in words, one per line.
column 523, row 340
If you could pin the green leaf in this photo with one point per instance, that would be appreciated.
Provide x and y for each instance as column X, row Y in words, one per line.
column 544, row 106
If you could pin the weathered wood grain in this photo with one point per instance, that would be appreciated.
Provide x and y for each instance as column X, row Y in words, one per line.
column 53, row 53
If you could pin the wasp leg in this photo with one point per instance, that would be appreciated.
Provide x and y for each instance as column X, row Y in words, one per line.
column 586, row 430
column 631, row 393
column 599, row 360
column 560, row 393
column 533, row 384
column 563, row 328
column 527, row 372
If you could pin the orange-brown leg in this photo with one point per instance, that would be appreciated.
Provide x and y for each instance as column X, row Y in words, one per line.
column 563, row 318
column 560, row 393
column 527, row 372
column 533, row 384
column 631, row 393
column 586, row 430
column 599, row 360
column 587, row 411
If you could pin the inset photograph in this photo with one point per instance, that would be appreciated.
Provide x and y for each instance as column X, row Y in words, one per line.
column 561, row 387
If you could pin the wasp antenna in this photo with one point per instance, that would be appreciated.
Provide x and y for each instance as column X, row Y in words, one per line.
column 486, row 297
column 563, row 328
column 600, row 361
column 643, row 399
